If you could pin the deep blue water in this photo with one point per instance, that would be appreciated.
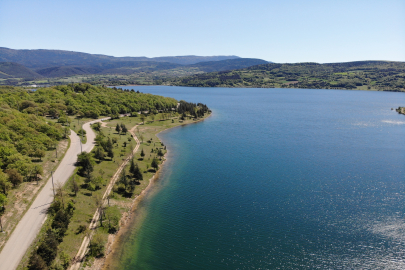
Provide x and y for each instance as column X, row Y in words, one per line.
column 278, row 179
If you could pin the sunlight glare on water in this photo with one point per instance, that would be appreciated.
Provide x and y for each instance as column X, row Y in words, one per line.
column 277, row 179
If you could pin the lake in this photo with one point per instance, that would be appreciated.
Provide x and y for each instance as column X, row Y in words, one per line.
column 276, row 179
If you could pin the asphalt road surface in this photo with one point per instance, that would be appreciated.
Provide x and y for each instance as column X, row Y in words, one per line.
column 29, row 226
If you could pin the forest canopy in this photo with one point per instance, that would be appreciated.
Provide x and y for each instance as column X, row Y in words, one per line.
column 26, row 129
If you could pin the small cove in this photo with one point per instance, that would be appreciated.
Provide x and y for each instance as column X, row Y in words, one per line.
column 275, row 179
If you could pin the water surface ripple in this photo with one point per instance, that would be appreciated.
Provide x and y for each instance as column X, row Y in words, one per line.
column 277, row 179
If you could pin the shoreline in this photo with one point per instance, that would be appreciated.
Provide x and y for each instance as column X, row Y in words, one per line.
column 114, row 242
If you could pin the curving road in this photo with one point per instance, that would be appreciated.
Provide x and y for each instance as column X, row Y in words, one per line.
column 29, row 226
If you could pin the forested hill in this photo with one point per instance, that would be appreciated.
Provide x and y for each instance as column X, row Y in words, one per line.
column 32, row 122
column 11, row 70
column 362, row 75
column 228, row 64
column 54, row 58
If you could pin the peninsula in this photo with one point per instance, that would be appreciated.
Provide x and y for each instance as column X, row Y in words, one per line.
column 95, row 185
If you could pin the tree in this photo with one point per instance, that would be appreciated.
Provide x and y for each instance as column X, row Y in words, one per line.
column 39, row 153
column 64, row 259
column 97, row 182
column 60, row 193
column 124, row 129
column 123, row 178
column 143, row 117
column 118, row 128
column 110, row 153
column 160, row 154
column 141, row 137
column 48, row 248
column 3, row 201
column 97, row 245
column 155, row 164
column 37, row 172
column 14, row 177
column 113, row 216
column 36, row 262
column 99, row 153
column 99, row 204
column 135, row 171
column 66, row 132
column 152, row 116
column 96, row 126
column 132, row 167
column 74, row 186
column 86, row 162
column 109, row 144
column 5, row 185
column 81, row 132
column 142, row 153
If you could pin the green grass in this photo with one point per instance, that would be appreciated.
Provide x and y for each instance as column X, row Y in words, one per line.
column 85, row 200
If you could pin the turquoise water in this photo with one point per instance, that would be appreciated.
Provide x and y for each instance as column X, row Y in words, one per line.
column 277, row 179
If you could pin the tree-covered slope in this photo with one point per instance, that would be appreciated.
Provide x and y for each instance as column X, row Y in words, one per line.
column 228, row 64
column 56, row 58
column 66, row 71
column 27, row 130
column 365, row 75
column 14, row 70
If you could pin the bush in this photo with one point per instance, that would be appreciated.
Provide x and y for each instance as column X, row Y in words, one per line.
column 37, row 263
column 113, row 216
column 97, row 245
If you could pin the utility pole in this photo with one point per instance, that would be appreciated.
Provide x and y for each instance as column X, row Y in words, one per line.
column 53, row 185
column 81, row 150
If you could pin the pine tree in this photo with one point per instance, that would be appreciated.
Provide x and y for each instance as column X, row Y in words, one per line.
column 118, row 128
column 154, row 164
column 137, row 173
column 132, row 167
column 124, row 129
column 110, row 153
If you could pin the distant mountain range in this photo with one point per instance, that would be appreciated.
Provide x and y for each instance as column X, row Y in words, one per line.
column 35, row 64
column 50, row 58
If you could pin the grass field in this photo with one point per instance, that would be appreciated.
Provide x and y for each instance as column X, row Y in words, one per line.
column 85, row 200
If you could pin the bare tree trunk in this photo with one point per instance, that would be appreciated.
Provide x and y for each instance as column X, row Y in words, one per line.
column 101, row 217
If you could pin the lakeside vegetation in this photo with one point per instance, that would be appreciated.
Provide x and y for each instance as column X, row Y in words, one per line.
column 362, row 75
column 33, row 125
column 85, row 188
column 401, row 110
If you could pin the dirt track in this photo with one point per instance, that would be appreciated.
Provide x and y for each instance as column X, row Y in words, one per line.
column 93, row 224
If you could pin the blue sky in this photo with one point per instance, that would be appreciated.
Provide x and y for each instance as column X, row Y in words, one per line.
column 286, row 31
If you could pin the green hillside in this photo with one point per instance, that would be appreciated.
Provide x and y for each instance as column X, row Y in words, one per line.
column 228, row 64
column 14, row 70
column 54, row 58
column 362, row 75
column 25, row 134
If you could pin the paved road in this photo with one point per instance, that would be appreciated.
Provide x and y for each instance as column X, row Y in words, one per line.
column 29, row 226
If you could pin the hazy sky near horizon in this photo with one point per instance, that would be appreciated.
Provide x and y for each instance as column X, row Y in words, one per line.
column 286, row 31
